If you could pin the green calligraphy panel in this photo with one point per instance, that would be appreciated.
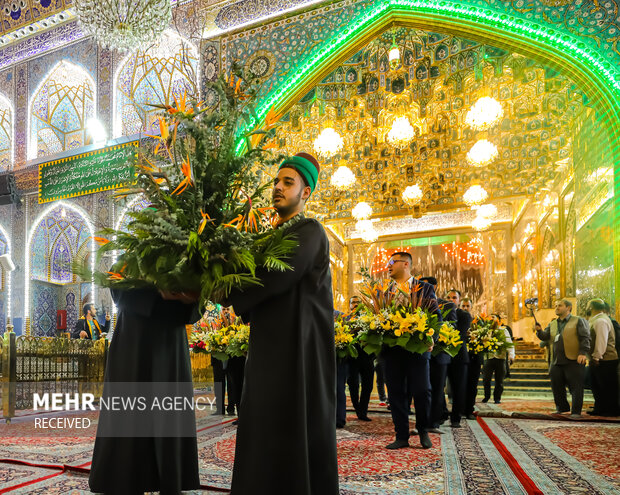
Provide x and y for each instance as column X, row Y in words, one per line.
column 87, row 173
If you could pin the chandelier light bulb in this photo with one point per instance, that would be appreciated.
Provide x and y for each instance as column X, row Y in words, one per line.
column 480, row 223
column 343, row 178
column 487, row 211
column 367, row 231
column 475, row 195
column 401, row 133
column 328, row 143
column 394, row 56
column 482, row 153
column 483, row 114
column 412, row 195
column 125, row 25
column 362, row 211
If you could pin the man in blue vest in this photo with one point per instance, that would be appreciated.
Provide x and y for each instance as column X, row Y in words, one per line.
column 87, row 327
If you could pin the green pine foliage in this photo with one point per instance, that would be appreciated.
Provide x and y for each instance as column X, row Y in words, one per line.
column 208, row 226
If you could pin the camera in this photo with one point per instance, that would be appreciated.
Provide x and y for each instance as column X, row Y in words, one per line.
column 531, row 301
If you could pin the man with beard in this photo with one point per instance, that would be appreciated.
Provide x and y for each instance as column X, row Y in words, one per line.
column 286, row 440
column 407, row 373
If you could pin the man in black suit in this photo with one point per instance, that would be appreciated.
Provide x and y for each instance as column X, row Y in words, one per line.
column 406, row 371
column 439, row 366
column 362, row 369
column 457, row 369
column 87, row 327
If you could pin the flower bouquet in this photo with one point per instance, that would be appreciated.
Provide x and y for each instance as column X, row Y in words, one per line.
column 345, row 339
column 486, row 336
column 207, row 228
column 396, row 316
column 239, row 342
column 449, row 340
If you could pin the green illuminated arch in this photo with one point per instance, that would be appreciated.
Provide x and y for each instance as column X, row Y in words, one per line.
column 597, row 77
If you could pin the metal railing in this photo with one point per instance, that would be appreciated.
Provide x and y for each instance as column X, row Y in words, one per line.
column 30, row 365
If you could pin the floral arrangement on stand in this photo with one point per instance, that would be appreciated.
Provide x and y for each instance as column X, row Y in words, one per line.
column 395, row 316
column 208, row 226
column 345, row 339
column 486, row 336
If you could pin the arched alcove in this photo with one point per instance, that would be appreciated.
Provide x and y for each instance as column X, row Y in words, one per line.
column 59, row 109
column 61, row 235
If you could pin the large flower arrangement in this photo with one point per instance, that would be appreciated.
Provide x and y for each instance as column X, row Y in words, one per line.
column 396, row 316
column 486, row 336
column 208, row 227
column 345, row 339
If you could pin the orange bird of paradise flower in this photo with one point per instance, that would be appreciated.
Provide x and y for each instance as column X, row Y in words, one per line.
column 203, row 223
column 115, row 276
column 101, row 240
column 186, row 170
column 181, row 105
column 237, row 87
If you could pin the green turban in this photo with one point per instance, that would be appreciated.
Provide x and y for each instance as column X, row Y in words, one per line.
column 306, row 165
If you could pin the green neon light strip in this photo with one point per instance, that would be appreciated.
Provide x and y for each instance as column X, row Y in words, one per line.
column 606, row 71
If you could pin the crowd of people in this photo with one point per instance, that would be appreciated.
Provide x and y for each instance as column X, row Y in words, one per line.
column 419, row 378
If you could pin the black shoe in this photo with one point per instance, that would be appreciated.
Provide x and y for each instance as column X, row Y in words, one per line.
column 593, row 413
column 340, row 425
column 497, row 401
column 435, row 430
column 425, row 441
column 364, row 418
column 398, row 444
column 561, row 411
column 485, row 400
column 455, row 424
column 413, row 432
column 471, row 416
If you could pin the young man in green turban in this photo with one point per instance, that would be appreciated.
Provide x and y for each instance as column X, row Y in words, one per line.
column 286, row 440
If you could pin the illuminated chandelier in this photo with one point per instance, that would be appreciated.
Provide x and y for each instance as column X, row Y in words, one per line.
column 328, row 143
column 362, row 211
column 475, row 195
column 485, row 113
column 343, row 178
column 125, row 25
column 481, row 223
column 401, row 133
column 486, row 211
column 482, row 153
column 412, row 195
column 394, row 55
column 367, row 231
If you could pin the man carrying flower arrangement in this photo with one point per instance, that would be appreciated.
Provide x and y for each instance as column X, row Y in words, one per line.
column 408, row 372
column 286, row 441
column 495, row 363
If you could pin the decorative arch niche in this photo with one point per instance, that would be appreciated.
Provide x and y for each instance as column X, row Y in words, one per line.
column 153, row 77
column 59, row 109
column 60, row 235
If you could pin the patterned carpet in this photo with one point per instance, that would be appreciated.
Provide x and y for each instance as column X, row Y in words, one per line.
column 560, row 458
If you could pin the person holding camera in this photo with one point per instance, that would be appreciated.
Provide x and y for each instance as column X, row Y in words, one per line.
column 568, row 337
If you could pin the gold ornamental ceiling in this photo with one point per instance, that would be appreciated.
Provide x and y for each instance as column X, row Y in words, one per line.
column 437, row 81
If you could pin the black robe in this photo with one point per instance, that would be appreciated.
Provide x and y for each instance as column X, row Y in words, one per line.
column 286, row 440
column 149, row 345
